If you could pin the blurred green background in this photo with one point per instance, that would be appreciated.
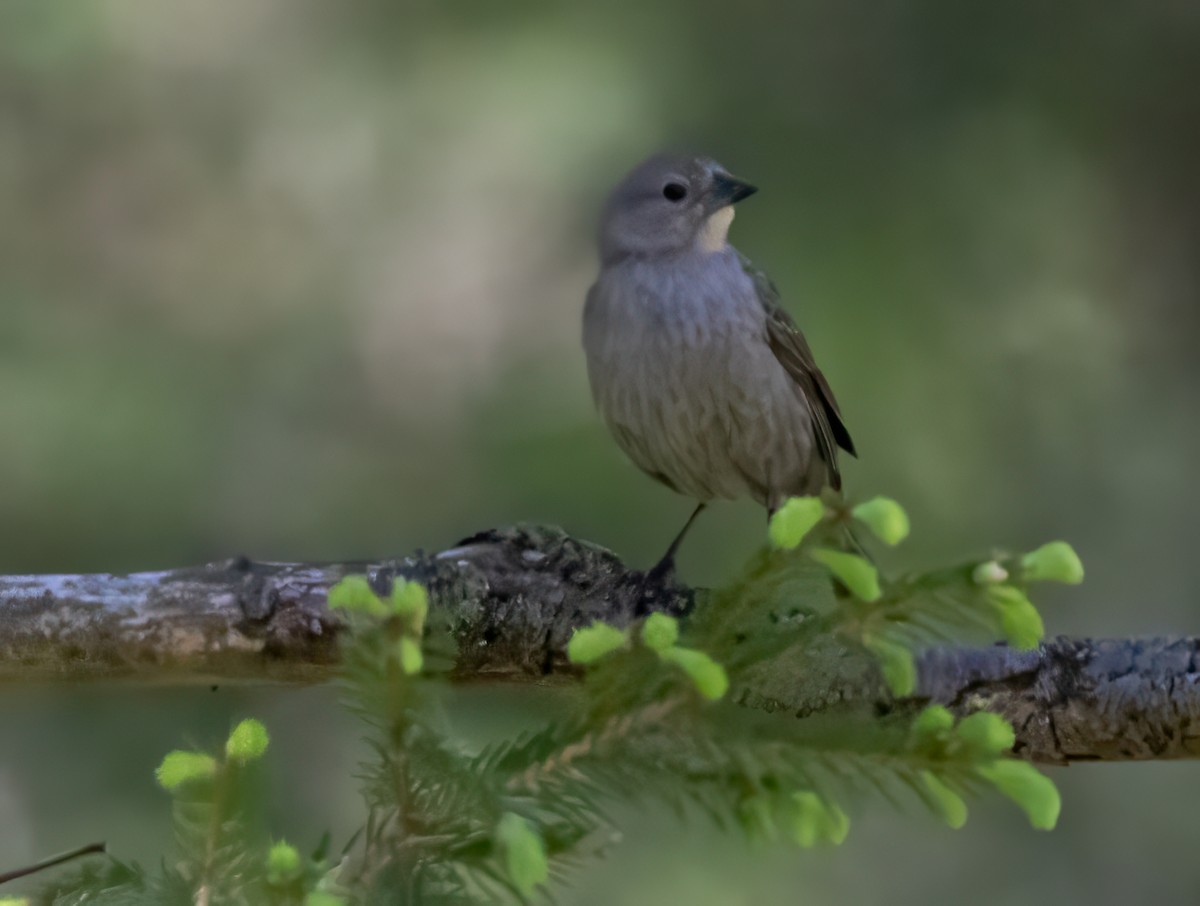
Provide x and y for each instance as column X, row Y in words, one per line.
column 303, row 280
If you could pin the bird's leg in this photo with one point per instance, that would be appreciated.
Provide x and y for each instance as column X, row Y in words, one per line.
column 665, row 567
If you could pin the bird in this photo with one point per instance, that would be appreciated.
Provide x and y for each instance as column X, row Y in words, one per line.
column 703, row 379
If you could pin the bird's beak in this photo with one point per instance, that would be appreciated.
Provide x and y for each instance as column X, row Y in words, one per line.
column 727, row 189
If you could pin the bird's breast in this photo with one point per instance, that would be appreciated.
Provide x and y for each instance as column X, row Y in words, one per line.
column 681, row 371
column 693, row 301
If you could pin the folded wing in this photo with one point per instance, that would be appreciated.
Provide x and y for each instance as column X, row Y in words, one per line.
column 794, row 354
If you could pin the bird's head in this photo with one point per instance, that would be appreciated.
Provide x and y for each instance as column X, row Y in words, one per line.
column 668, row 205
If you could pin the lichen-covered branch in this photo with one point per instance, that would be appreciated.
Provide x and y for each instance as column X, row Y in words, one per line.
column 512, row 598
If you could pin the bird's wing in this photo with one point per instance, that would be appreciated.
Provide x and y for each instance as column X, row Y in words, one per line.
column 794, row 354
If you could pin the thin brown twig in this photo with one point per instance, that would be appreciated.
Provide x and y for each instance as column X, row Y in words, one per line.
column 617, row 727
column 90, row 849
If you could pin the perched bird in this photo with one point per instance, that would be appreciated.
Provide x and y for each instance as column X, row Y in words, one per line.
column 704, row 380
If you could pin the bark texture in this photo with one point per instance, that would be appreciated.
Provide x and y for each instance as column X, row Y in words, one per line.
column 514, row 596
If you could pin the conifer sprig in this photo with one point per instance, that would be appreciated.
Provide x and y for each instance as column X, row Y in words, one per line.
column 654, row 719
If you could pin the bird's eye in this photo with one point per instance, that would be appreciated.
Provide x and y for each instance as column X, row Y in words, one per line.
column 673, row 191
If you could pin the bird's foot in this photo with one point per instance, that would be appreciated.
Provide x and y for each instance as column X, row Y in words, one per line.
column 662, row 574
column 657, row 586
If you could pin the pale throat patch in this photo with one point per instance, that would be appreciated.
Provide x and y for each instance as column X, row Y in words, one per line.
column 715, row 231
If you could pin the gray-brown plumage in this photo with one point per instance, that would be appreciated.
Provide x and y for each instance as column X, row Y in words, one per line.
column 703, row 379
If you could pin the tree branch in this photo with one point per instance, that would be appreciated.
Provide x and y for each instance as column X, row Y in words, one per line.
column 513, row 597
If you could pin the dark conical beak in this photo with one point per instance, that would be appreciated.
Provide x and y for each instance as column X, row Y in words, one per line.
column 727, row 190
